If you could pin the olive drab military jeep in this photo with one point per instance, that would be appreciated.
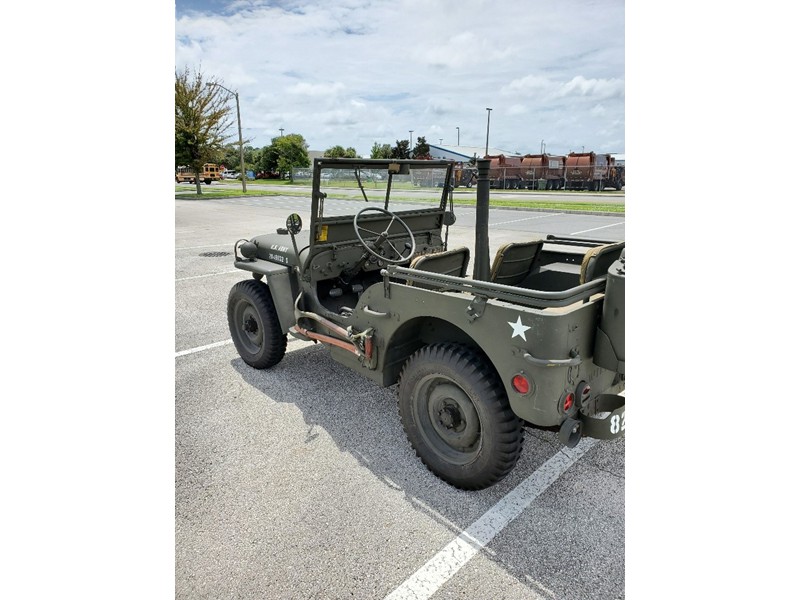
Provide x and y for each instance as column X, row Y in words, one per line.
column 533, row 338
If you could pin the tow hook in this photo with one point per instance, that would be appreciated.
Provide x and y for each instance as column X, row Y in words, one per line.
column 608, row 422
column 570, row 432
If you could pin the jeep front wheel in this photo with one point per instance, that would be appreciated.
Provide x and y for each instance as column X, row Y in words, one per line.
column 254, row 325
column 456, row 415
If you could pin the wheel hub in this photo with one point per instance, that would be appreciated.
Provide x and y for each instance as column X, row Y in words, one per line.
column 250, row 325
column 450, row 417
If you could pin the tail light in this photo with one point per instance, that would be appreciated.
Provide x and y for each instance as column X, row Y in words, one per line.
column 521, row 383
column 568, row 403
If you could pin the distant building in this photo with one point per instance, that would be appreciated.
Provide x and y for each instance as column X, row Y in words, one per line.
column 464, row 153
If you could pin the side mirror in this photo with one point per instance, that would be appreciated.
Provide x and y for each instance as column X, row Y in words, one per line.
column 294, row 224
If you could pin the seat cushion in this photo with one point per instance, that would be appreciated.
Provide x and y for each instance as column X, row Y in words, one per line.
column 514, row 261
column 451, row 262
column 597, row 261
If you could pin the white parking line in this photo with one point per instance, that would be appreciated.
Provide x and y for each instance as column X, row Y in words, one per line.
column 201, row 348
column 525, row 219
column 596, row 228
column 435, row 573
column 208, row 275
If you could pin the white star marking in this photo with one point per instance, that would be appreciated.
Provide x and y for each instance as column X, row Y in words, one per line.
column 519, row 329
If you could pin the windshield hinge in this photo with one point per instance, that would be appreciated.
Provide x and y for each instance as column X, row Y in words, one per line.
column 476, row 308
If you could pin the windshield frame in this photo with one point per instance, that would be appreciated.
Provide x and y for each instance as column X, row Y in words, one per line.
column 318, row 197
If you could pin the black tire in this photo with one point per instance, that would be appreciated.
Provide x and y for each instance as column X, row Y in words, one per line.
column 254, row 325
column 456, row 415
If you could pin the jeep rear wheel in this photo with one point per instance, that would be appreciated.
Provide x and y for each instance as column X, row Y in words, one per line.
column 254, row 325
column 456, row 415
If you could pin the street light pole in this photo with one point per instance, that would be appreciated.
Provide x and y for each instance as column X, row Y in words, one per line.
column 410, row 141
column 458, row 134
column 488, row 116
column 242, row 172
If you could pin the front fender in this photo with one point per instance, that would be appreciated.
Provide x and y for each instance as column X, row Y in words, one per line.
column 282, row 283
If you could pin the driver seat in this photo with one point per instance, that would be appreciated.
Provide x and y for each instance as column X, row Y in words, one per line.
column 451, row 262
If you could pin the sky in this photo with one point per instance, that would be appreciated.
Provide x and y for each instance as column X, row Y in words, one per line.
column 356, row 72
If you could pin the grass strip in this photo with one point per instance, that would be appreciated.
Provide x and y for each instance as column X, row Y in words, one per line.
column 496, row 201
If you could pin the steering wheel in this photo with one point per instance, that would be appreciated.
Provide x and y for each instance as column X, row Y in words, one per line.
column 382, row 238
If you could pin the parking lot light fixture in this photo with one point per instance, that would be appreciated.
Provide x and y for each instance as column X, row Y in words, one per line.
column 488, row 116
column 242, row 171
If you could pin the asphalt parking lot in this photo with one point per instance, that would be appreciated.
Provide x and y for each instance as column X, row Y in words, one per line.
column 298, row 481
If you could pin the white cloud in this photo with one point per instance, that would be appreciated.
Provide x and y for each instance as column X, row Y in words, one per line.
column 528, row 85
column 596, row 88
column 360, row 71
column 315, row 89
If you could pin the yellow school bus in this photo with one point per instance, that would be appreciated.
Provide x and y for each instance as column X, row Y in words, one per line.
column 210, row 172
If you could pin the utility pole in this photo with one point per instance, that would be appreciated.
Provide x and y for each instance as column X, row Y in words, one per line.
column 241, row 143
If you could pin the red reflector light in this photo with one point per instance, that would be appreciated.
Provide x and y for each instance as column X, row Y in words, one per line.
column 521, row 384
column 569, row 401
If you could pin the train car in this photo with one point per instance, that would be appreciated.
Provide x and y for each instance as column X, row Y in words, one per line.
column 593, row 172
column 543, row 171
column 505, row 172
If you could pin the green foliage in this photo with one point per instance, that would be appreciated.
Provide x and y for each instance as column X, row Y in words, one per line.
column 381, row 151
column 422, row 150
column 230, row 157
column 283, row 154
column 232, row 161
column 339, row 152
column 400, row 150
column 202, row 119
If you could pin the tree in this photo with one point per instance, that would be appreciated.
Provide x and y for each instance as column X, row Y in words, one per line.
column 231, row 157
column 381, row 151
column 284, row 153
column 400, row 150
column 339, row 152
column 202, row 118
column 422, row 150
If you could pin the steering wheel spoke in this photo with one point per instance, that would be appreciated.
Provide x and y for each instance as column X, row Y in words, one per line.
column 396, row 251
column 381, row 239
column 375, row 233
